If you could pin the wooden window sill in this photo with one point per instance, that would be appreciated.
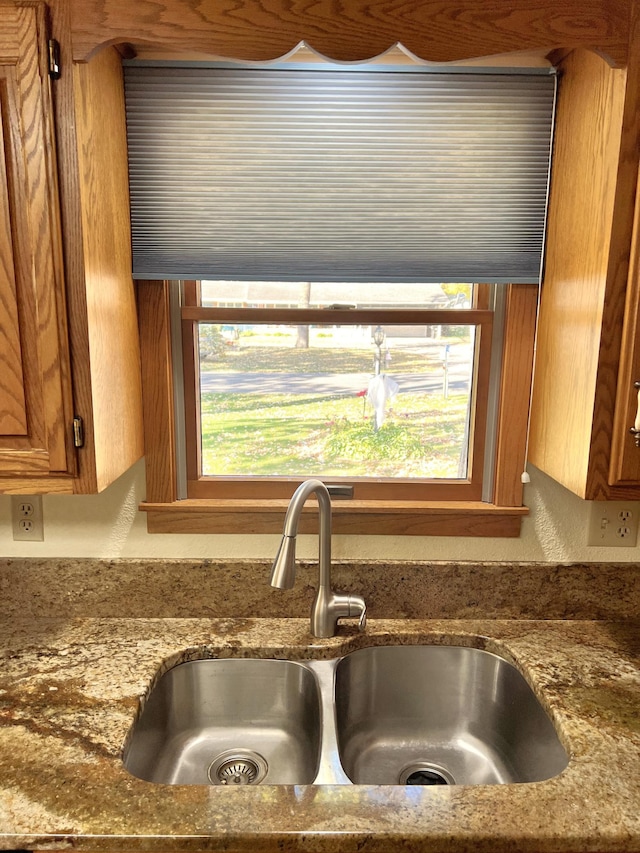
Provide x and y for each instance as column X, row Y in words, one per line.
column 406, row 518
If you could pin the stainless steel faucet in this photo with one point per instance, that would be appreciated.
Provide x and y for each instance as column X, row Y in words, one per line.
column 328, row 606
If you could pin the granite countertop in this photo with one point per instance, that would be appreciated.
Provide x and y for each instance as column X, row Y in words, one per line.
column 70, row 687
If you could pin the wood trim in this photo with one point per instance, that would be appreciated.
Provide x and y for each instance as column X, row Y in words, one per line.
column 436, row 31
column 26, row 191
column 34, row 485
column 56, row 367
column 281, row 488
column 191, row 392
column 355, row 316
column 191, row 292
column 517, row 370
column 357, row 518
column 13, row 417
column 102, row 322
column 276, row 505
column 72, row 235
column 479, row 405
column 481, row 297
column 157, row 390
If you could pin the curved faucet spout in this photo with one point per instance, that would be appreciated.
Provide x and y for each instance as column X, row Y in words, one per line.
column 328, row 606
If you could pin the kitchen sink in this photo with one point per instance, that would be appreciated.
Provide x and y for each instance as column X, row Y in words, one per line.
column 436, row 715
column 229, row 722
column 385, row 715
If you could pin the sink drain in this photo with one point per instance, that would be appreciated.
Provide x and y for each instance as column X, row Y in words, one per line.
column 423, row 773
column 237, row 767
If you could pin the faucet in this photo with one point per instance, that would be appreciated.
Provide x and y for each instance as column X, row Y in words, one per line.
column 328, row 606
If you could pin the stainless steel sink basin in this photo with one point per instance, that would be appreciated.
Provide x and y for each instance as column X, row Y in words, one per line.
column 388, row 715
column 232, row 722
column 429, row 715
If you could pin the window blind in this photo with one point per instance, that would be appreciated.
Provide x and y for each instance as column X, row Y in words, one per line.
column 338, row 175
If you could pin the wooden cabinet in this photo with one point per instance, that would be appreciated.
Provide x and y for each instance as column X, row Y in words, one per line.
column 588, row 355
column 68, row 338
column 68, row 325
column 35, row 391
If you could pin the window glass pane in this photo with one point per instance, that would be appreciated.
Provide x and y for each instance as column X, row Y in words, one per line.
column 351, row 401
column 265, row 294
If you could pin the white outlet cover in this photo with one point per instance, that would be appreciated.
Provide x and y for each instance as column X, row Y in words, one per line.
column 614, row 524
column 26, row 518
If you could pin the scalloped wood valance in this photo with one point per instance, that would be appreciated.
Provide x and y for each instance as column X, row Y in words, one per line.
column 434, row 30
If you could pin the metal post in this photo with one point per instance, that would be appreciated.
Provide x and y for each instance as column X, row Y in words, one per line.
column 445, row 364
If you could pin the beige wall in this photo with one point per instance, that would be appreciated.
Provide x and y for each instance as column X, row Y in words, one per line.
column 109, row 525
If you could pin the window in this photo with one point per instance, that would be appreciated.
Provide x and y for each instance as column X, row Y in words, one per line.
column 336, row 178
column 439, row 506
column 382, row 394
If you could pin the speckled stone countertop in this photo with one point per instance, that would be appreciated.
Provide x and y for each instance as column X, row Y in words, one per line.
column 70, row 687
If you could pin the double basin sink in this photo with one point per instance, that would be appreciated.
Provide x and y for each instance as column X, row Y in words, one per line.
column 385, row 715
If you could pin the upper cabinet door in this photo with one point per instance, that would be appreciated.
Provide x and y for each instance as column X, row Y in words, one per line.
column 588, row 357
column 625, row 452
column 35, row 394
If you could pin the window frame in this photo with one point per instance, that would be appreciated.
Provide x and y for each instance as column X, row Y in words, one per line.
column 228, row 513
column 202, row 486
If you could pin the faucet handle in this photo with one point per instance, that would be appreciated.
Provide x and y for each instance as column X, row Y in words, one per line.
column 357, row 607
column 362, row 621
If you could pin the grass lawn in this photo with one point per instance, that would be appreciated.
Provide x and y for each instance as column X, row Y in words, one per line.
column 283, row 359
column 311, row 435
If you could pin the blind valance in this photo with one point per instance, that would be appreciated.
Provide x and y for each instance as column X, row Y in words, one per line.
column 344, row 175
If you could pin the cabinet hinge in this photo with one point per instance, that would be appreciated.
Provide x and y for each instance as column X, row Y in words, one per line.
column 78, row 432
column 54, row 59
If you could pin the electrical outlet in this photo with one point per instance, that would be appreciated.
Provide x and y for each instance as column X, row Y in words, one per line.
column 26, row 515
column 614, row 524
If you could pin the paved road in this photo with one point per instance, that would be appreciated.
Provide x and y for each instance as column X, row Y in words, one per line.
column 321, row 383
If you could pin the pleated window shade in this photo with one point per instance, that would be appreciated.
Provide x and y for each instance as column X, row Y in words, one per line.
column 340, row 175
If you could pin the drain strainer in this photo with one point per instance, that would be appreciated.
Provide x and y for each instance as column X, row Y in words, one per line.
column 237, row 767
column 424, row 773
